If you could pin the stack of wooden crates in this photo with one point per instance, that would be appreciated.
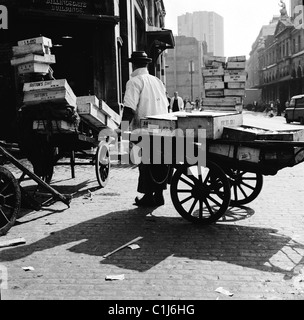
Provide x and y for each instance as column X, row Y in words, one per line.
column 44, row 99
column 33, row 57
column 224, row 83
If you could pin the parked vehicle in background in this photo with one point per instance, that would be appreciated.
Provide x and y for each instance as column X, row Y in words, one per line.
column 295, row 111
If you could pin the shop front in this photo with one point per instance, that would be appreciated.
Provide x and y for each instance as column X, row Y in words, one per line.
column 83, row 35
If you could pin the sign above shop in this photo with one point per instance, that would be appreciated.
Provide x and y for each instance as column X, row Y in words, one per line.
column 66, row 6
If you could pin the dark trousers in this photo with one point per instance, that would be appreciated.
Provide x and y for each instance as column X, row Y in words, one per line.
column 152, row 178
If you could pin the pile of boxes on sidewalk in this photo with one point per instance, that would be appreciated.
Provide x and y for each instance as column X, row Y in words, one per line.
column 57, row 107
column 224, row 83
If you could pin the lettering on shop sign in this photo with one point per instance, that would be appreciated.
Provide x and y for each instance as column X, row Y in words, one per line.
column 3, row 17
column 67, row 6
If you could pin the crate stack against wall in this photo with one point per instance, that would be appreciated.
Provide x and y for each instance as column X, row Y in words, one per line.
column 224, row 83
column 32, row 56
column 51, row 103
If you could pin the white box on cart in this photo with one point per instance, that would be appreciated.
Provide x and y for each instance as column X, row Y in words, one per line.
column 212, row 122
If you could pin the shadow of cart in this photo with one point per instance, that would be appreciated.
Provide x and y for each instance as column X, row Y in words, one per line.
column 165, row 237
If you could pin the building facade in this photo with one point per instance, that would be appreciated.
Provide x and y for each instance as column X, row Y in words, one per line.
column 92, row 40
column 277, row 61
column 204, row 26
column 184, row 65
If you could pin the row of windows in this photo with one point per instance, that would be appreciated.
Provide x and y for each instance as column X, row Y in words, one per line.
column 275, row 75
column 283, row 50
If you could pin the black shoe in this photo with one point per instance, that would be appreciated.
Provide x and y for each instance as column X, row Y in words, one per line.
column 159, row 199
column 147, row 201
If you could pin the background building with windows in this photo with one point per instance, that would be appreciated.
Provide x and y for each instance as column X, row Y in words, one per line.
column 276, row 64
column 180, row 77
column 204, row 26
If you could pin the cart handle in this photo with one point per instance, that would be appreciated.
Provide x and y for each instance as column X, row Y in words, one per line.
column 58, row 196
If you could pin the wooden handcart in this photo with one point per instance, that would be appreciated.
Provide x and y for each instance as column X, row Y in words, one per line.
column 203, row 194
column 12, row 194
column 44, row 149
column 233, row 175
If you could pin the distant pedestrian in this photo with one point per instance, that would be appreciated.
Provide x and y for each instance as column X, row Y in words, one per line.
column 278, row 107
column 255, row 106
column 176, row 103
column 188, row 106
column 197, row 103
column 271, row 114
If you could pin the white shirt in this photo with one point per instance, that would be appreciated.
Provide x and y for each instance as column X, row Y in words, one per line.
column 180, row 103
column 146, row 95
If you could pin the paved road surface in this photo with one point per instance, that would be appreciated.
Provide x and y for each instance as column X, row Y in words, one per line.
column 256, row 252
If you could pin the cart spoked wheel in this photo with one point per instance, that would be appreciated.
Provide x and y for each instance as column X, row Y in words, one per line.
column 102, row 164
column 245, row 186
column 10, row 200
column 200, row 194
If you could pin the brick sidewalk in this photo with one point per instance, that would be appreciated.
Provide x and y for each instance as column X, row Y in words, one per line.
column 256, row 253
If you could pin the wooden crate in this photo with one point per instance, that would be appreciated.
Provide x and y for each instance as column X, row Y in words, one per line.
column 34, row 58
column 235, row 78
column 221, row 109
column 55, row 126
column 234, row 92
column 241, row 154
column 33, row 68
column 92, row 115
column 295, row 136
column 237, row 59
column 213, row 122
column 245, row 133
column 55, row 96
column 214, row 93
column 110, row 112
column 236, row 85
column 236, row 65
column 43, row 40
column 213, row 79
column 88, row 99
column 38, row 48
column 213, row 72
column 241, row 133
column 214, row 85
column 162, row 122
column 215, row 59
column 235, row 73
column 221, row 102
column 60, row 84
column 112, row 124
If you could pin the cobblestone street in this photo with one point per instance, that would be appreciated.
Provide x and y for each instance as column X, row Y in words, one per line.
column 256, row 252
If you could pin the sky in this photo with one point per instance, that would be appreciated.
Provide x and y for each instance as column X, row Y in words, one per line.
column 243, row 19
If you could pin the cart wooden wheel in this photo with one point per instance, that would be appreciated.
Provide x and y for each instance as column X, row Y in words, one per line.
column 10, row 200
column 200, row 194
column 102, row 164
column 245, row 186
